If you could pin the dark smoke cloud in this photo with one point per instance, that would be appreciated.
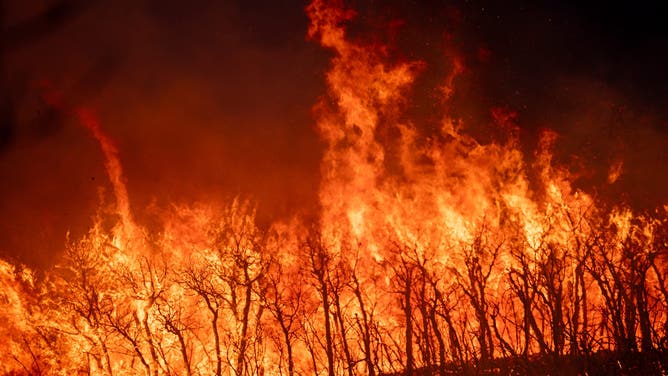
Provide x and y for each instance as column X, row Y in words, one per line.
column 205, row 101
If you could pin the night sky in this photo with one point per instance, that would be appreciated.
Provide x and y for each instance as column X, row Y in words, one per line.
column 212, row 99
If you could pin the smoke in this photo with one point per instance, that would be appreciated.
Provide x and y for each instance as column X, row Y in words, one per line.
column 204, row 102
column 210, row 100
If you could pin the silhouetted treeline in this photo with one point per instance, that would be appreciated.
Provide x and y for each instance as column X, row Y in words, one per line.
column 233, row 299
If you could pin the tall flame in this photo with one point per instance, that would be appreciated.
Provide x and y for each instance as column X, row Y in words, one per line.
column 88, row 119
column 433, row 253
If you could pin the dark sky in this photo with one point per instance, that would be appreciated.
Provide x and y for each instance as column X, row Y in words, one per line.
column 213, row 98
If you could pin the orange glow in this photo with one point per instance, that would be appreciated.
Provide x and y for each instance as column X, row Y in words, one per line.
column 429, row 250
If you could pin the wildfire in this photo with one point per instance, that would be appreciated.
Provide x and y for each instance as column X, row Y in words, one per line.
column 431, row 253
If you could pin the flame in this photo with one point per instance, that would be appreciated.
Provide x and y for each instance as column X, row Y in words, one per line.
column 88, row 119
column 430, row 250
column 113, row 167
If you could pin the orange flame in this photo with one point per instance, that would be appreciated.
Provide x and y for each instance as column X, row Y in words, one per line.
column 433, row 252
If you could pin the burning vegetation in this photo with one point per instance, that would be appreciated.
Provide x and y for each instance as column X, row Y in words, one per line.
column 430, row 254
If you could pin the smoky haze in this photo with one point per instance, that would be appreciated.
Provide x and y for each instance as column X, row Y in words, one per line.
column 206, row 100
column 210, row 100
